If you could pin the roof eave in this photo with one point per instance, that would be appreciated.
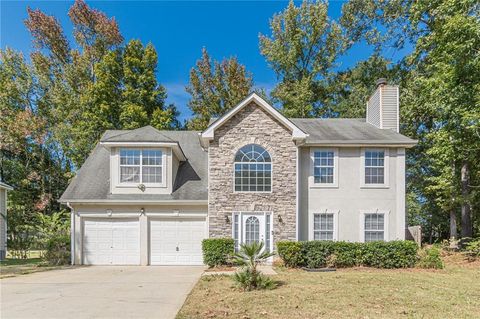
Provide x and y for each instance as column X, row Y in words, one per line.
column 363, row 143
column 133, row 202
column 6, row 186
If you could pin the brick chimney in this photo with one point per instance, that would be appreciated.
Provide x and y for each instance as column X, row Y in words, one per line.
column 383, row 106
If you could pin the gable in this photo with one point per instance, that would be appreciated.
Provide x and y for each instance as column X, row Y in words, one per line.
column 209, row 133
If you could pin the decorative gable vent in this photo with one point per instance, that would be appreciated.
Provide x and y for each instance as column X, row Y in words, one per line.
column 383, row 106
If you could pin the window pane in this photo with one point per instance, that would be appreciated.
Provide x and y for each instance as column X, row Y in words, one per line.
column 129, row 174
column 151, row 157
column 374, row 227
column 323, row 167
column 235, row 232
column 152, row 174
column 252, row 174
column 129, row 157
column 252, row 230
column 374, row 167
column 323, row 226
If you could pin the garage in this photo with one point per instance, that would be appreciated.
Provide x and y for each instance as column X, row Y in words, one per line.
column 111, row 241
column 177, row 241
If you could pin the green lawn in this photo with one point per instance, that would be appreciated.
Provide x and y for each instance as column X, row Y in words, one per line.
column 11, row 267
column 347, row 293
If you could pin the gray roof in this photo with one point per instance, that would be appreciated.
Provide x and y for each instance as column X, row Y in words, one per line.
column 348, row 131
column 92, row 181
column 143, row 134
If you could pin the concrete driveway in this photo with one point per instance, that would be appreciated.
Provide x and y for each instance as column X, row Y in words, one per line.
column 98, row 292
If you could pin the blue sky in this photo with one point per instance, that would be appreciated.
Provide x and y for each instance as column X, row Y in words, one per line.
column 178, row 30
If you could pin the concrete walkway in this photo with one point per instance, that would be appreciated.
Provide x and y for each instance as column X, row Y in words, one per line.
column 98, row 292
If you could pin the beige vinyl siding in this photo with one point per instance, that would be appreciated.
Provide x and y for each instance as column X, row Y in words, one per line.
column 389, row 108
column 373, row 109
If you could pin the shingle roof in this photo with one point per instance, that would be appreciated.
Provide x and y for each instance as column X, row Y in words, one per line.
column 348, row 131
column 93, row 179
column 143, row 134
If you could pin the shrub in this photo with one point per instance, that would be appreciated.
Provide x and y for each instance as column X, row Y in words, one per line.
column 317, row 254
column 246, row 280
column 430, row 258
column 217, row 251
column 392, row 254
column 249, row 257
column 347, row 254
column 472, row 248
column 291, row 253
column 58, row 250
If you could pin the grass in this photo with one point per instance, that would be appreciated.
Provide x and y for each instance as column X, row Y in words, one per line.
column 453, row 292
column 11, row 267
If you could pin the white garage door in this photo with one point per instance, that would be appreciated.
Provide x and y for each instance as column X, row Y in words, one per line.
column 176, row 241
column 111, row 242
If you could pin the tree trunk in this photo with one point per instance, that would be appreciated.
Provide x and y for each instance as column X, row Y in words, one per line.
column 466, row 218
column 453, row 224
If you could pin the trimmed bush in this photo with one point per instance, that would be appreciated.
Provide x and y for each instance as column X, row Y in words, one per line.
column 318, row 254
column 348, row 254
column 392, row 254
column 291, row 253
column 430, row 258
column 217, row 251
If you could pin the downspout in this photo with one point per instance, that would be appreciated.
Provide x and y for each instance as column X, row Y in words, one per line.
column 72, row 234
column 297, row 201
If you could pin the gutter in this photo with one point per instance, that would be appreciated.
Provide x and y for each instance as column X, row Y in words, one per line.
column 363, row 144
column 134, row 202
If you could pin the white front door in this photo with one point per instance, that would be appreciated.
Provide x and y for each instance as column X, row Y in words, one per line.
column 253, row 228
column 111, row 242
column 177, row 241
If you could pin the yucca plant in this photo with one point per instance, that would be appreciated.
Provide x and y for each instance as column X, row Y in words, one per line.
column 249, row 257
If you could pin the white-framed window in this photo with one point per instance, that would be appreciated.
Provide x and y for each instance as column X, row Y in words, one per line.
column 253, row 169
column 324, row 167
column 374, row 225
column 141, row 166
column 374, row 167
column 324, row 224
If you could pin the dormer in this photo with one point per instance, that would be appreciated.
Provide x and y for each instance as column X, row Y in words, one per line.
column 142, row 161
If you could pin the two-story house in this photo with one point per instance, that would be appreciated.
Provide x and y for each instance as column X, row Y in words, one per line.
column 149, row 197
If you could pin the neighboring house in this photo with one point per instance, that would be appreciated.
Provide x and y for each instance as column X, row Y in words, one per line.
column 149, row 197
column 3, row 219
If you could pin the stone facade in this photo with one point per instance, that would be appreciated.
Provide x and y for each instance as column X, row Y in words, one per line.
column 250, row 125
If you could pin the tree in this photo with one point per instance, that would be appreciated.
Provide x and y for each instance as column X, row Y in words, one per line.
column 101, row 85
column 28, row 159
column 349, row 90
column 302, row 50
column 215, row 87
column 441, row 106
